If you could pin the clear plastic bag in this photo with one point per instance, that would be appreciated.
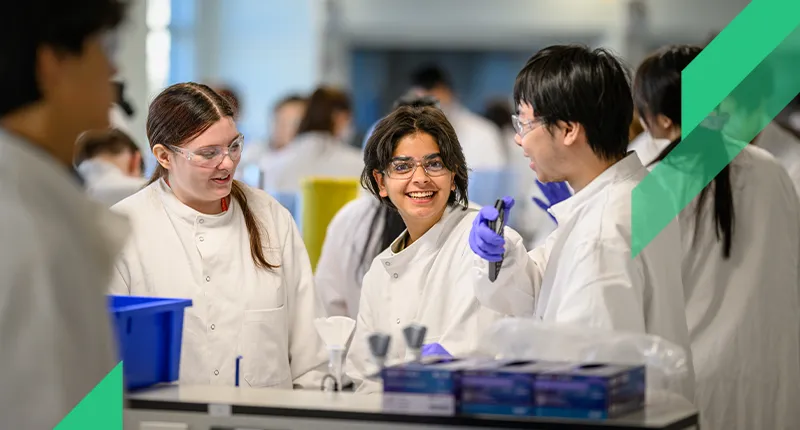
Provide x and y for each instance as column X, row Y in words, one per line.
column 669, row 366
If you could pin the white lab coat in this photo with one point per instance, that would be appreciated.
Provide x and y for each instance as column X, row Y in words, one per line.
column 338, row 275
column 584, row 273
column 480, row 139
column 56, row 343
column 744, row 312
column 785, row 146
column 427, row 283
column 266, row 316
column 107, row 184
column 310, row 154
column 647, row 147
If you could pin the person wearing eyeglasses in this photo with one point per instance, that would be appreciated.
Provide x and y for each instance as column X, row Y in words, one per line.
column 233, row 250
column 584, row 274
column 414, row 165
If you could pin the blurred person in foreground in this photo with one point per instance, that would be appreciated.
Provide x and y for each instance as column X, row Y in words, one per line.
column 111, row 165
column 58, row 245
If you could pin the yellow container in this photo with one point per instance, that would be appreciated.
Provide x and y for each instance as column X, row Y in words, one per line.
column 320, row 200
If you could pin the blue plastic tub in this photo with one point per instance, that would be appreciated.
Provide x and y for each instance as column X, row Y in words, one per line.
column 149, row 331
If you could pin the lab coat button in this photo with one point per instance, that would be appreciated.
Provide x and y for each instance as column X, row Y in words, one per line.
column 212, row 326
column 201, row 220
column 388, row 264
column 202, row 238
column 216, row 373
column 398, row 321
column 208, row 279
column 395, row 275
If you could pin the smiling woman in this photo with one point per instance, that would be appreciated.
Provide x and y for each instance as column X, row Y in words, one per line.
column 414, row 165
column 232, row 249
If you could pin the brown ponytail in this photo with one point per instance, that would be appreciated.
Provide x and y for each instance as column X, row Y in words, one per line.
column 179, row 114
column 253, row 227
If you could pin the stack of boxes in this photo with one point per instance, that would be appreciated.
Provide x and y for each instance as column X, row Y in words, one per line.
column 483, row 386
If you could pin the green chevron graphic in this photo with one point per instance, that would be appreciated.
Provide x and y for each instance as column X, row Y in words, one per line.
column 748, row 74
column 101, row 408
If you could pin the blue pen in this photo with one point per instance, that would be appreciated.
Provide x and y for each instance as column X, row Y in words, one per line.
column 238, row 359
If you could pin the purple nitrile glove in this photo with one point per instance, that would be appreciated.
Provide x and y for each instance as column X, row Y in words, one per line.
column 483, row 240
column 434, row 349
column 554, row 192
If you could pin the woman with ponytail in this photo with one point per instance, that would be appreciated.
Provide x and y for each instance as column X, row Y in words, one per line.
column 232, row 249
column 741, row 261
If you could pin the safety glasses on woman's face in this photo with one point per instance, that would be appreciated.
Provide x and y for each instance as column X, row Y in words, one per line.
column 404, row 167
column 524, row 127
column 212, row 156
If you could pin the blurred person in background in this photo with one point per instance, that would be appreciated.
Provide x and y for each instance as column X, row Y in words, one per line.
column 232, row 249
column 110, row 164
column 351, row 243
column 56, row 343
column 320, row 147
column 741, row 264
column 479, row 137
column 285, row 119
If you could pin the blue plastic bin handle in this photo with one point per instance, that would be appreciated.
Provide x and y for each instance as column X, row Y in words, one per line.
column 238, row 359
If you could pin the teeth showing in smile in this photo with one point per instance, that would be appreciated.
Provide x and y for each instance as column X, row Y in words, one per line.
column 222, row 178
column 421, row 194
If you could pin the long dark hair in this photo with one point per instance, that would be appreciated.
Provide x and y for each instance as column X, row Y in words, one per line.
column 179, row 114
column 657, row 91
column 404, row 121
column 393, row 224
column 323, row 103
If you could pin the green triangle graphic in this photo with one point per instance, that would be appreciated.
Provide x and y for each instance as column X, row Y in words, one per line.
column 101, row 408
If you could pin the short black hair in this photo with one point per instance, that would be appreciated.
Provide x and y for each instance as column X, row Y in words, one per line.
column 429, row 77
column 572, row 83
column 402, row 122
column 64, row 25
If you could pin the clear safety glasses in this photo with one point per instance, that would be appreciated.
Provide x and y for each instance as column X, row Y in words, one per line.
column 404, row 168
column 212, row 156
column 524, row 127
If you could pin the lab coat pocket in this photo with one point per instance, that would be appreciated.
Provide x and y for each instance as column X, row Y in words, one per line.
column 263, row 346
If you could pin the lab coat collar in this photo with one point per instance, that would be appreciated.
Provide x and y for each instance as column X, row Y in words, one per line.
column 620, row 171
column 430, row 242
column 189, row 215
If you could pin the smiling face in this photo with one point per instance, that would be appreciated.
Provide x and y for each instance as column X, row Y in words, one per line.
column 420, row 198
column 198, row 182
column 545, row 150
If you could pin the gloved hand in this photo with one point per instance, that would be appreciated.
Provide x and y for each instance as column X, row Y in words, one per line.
column 483, row 240
column 554, row 192
column 434, row 349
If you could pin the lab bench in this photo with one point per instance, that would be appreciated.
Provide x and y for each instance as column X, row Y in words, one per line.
column 180, row 407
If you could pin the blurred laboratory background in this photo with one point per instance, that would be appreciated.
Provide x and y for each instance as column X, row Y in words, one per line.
column 270, row 56
column 266, row 50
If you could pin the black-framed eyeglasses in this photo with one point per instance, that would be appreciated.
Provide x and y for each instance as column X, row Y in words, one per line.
column 404, row 168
